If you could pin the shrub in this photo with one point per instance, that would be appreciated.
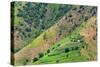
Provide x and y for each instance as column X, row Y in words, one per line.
column 76, row 48
column 16, row 50
column 24, row 61
column 58, row 44
column 85, row 18
column 67, row 55
column 28, row 30
column 81, row 7
column 94, row 38
column 66, row 49
column 72, row 48
column 29, row 35
column 53, row 48
column 57, row 61
column 41, row 55
column 48, row 51
column 70, row 15
column 35, row 59
column 83, row 46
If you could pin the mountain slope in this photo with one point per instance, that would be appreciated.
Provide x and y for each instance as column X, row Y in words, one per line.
column 30, row 19
column 74, row 47
column 62, row 28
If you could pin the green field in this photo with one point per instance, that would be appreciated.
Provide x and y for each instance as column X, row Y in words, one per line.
column 66, row 50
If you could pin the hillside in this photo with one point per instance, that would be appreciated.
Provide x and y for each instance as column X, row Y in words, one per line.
column 67, row 36
column 31, row 19
column 73, row 47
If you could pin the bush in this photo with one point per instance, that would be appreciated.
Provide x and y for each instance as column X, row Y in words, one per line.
column 85, row 18
column 70, row 15
column 48, row 51
column 57, row 61
column 53, row 48
column 24, row 61
column 41, row 55
column 72, row 48
column 94, row 38
column 76, row 48
column 67, row 55
column 58, row 44
column 16, row 50
column 66, row 50
column 28, row 30
column 35, row 59
column 83, row 46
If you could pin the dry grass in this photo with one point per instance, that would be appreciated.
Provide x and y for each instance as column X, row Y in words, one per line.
column 89, row 32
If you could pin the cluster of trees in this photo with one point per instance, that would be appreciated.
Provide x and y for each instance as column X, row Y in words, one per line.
column 36, row 12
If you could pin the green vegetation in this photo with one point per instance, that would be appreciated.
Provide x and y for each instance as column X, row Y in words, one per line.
column 34, row 18
column 51, row 33
column 68, row 51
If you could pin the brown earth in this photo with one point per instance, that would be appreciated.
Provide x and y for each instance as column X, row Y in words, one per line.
column 89, row 33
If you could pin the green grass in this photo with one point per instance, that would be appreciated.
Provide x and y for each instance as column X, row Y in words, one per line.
column 38, row 41
column 62, row 57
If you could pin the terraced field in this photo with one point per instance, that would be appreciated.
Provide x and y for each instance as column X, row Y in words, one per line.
column 53, row 33
column 70, row 48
